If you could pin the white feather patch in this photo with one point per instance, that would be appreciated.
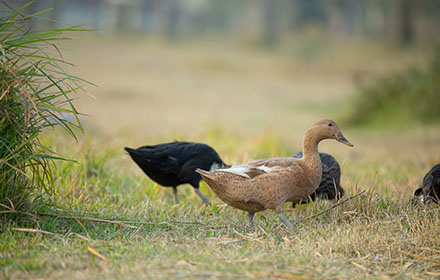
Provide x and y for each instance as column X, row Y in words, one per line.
column 267, row 169
column 242, row 169
column 237, row 169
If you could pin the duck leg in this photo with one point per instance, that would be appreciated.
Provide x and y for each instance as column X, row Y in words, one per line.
column 280, row 212
column 251, row 219
column 288, row 224
column 318, row 198
column 176, row 201
column 203, row 197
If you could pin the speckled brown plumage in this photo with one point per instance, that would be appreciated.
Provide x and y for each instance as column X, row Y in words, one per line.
column 268, row 184
column 330, row 185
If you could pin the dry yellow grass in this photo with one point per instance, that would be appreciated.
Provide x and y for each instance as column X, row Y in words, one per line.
column 248, row 104
column 148, row 88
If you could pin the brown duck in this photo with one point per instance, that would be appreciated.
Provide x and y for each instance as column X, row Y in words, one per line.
column 269, row 183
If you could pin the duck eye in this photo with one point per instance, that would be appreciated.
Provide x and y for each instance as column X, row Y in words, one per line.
column 330, row 124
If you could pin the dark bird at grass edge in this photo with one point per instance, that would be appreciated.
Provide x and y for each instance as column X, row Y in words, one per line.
column 430, row 190
column 173, row 164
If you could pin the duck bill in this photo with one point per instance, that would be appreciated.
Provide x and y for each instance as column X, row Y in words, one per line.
column 344, row 140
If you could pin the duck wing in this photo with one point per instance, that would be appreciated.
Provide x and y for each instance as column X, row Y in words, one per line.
column 259, row 167
column 190, row 156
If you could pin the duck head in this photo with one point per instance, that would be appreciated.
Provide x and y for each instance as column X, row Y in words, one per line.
column 328, row 129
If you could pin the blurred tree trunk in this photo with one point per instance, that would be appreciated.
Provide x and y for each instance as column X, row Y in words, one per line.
column 353, row 14
column 270, row 34
column 173, row 19
column 386, row 9
column 406, row 21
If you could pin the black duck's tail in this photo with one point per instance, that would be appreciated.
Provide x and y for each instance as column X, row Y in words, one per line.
column 129, row 150
column 141, row 158
column 147, row 152
column 136, row 155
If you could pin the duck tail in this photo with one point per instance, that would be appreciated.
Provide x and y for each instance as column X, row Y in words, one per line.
column 204, row 173
column 129, row 150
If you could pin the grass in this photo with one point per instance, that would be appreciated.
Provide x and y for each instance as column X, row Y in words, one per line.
column 172, row 87
column 35, row 93
column 407, row 97
column 333, row 246
column 378, row 234
column 248, row 104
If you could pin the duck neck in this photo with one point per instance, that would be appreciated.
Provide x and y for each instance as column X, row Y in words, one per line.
column 310, row 151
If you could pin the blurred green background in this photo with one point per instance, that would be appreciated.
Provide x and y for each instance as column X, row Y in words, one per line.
column 252, row 71
column 248, row 78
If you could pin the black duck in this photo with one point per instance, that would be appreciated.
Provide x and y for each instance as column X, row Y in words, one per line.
column 173, row 164
column 430, row 190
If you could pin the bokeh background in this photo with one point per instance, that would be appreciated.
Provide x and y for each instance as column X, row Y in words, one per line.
column 248, row 77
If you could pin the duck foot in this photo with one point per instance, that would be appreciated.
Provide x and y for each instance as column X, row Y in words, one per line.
column 203, row 197
column 288, row 224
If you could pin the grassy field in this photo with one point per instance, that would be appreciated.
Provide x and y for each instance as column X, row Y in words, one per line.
column 111, row 221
